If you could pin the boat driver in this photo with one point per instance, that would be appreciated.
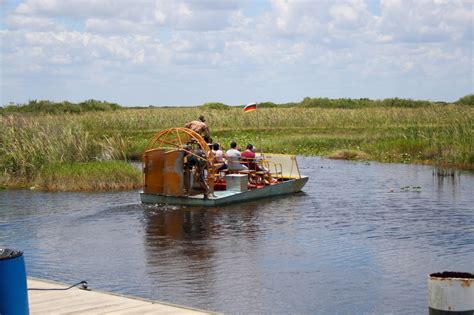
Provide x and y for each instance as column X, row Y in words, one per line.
column 198, row 126
column 195, row 166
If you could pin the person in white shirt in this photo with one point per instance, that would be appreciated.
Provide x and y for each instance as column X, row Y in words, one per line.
column 233, row 158
column 218, row 157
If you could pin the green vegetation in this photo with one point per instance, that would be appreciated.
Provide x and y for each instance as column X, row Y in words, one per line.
column 215, row 105
column 268, row 105
column 49, row 107
column 349, row 155
column 36, row 147
column 91, row 176
column 361, row 103
column 467, row 100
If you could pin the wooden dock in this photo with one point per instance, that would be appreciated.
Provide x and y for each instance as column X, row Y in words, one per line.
column 78, row 301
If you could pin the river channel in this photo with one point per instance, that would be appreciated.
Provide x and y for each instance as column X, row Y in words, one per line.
column 360, row 239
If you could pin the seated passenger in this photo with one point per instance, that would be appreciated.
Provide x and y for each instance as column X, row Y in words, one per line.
column 218, row 157
column 208, row 140
column 233, row 158
column 248, row 156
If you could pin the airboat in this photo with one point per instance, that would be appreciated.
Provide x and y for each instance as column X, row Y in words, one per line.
column 179, row 168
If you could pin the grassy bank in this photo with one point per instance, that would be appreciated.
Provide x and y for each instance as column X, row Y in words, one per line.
column 35, row 147
column 91, row 176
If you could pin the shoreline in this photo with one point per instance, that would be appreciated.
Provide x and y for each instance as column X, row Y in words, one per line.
column 90, row 183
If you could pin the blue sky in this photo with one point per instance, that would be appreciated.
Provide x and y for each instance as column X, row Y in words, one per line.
column 163, row 52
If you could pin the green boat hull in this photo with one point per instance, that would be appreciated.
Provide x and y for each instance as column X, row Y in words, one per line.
column 228, row 197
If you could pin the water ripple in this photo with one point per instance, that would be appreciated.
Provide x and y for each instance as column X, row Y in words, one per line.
column 355, row 241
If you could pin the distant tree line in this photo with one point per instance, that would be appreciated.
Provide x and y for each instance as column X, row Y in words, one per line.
column 466, row 100
column 320, row 102
column 45, row 106
column 49, row 107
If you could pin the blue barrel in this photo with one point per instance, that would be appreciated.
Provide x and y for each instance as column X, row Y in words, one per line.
column 13, row 288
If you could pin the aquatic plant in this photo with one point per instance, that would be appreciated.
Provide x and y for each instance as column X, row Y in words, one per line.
column 29, row 143
column 348, row 155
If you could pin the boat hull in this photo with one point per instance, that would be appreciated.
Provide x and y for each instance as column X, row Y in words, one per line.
column 228, row 197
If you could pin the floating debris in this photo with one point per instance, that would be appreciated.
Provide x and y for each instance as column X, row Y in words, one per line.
column 410, row 188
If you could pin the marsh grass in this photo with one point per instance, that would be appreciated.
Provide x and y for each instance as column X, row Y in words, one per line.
column 435, row 134
column 349, row 155
column 29, row 143
column 91, row 176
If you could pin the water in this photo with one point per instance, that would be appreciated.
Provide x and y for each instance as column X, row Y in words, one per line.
column 357, row 240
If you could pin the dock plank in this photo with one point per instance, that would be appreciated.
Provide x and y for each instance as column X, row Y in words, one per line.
column 77, row 301
column 110, row 309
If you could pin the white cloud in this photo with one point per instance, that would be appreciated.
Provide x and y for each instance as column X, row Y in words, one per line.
column 344, row 12
column 61, row 59
column 118, row 26
column 426, row 20
column 160, row 17
column 83, row 8
column 304, row 40
column 16, row 21
column 180, row 14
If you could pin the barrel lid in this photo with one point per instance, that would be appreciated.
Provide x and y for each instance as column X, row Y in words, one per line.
column 6, row 253
column 452, row 274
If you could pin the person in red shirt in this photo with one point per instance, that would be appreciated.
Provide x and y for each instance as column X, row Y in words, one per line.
column 248, row 156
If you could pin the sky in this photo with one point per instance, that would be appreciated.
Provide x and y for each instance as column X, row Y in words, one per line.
column 189, row 52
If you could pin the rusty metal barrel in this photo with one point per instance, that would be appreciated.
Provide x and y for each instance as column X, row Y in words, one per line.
column 451, row 292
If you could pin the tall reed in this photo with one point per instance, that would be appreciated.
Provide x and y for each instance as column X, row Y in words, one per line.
column 433, row 133
column 28, row 143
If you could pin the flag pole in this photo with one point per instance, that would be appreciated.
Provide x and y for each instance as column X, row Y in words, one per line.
column 251, row 108
column 258, row 131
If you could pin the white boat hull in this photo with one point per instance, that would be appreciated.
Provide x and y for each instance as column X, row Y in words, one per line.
column 228, row 197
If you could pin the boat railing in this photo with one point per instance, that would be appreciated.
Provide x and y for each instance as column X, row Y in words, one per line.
column 282, row 165
column 275, row 169
column 251, row 163
column 264, row 169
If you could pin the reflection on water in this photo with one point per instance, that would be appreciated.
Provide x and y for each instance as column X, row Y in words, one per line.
column 361, row 238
